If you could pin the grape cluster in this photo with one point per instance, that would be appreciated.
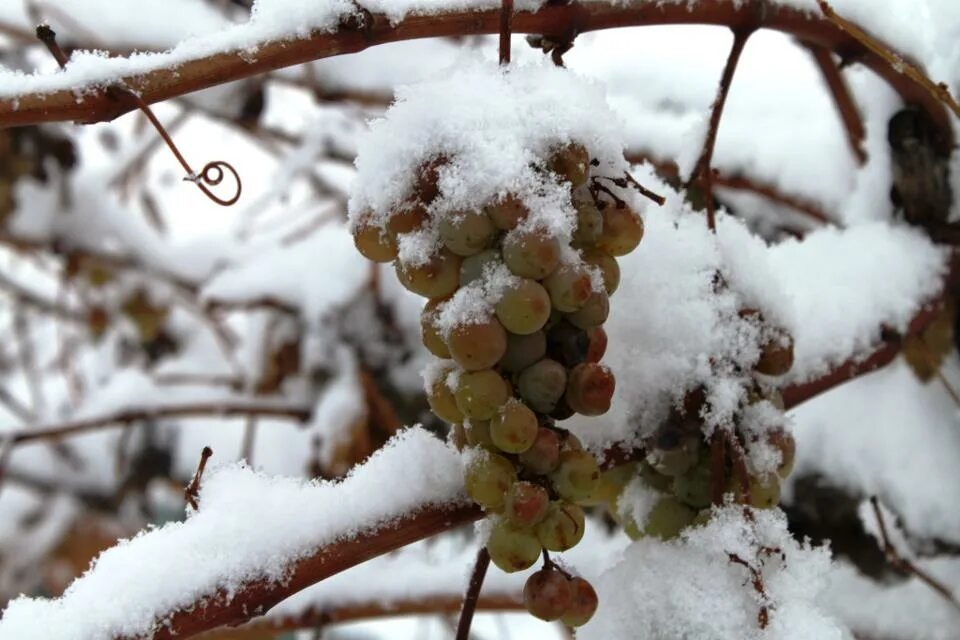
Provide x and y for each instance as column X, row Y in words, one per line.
column 509, row 375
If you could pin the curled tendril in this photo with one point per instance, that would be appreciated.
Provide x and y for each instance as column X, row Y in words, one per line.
column 212, row 174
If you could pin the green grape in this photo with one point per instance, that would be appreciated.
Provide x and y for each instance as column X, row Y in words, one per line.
column 776, row 356
column 544, row 455
column 513, row 428
column 577, row 475
column 439, row 277
column 764, row 491
column 608, row 267
column 531, row 254
column 442, row 401
column 478, row 345
column 598, row 344
column 542, row 385
column 524, row 308
column 472, row 267
column 668, row 518
column 374, row 244
column 571, row 162
column 512, row 548
column 589, row 223
column 610, row 485
column 466, row 232
column 547, row 594
column 593, row 313
column 569, row 287
column 567, row 344
column 654, row 478
column 507, row 213
column 590, row 388
column 622, row 231
column 676, row 459
column 583, row 604
column 429, row 335
column 526, row 504
column 480, row 393
column 477, row 433
column 562, row 528
column 523, row 351
column 488, row 477
column 783, row 441
column 694, row 488
column 406, row 221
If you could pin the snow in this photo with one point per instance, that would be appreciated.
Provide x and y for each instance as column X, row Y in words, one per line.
column 242, row 532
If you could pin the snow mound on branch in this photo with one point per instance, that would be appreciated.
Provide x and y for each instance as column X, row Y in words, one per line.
column 242, row 532
column 691, row 589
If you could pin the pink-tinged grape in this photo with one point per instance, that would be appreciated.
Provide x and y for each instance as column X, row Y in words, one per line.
column 589, row 223
column 526, row 504
column 544, row 455
column 593, row 313
column 524, row 307
column 783, row 441
column 764, row 491
column 442, row 401
column 523, row 351
column 466, row 232
column 374, row 244
column 694, row 488
column 668, row 518
column 598, row 344
column 472, row 267
column 513, row 427
column 507, row 213
column 406, row 221
column 590, row 388
column 583, row 604
column 776, row 356
column 569, row 287
column 429, row 334
column 547, row 594
column 567, row 344
column 512, row 548
column 439, row 277
column 478, row 345
column 542, row 385
column 571, row 162
column 608, row 268
column 562, row 528
column 488, row 477
column 622, row 231
column 577, row 475
column 480, row 393
column 477, row 433
column 531, row 254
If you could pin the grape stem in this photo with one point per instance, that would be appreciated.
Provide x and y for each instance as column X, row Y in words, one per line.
column 473, row 594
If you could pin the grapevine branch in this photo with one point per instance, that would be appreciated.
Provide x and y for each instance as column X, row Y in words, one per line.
column 843, row 99
column 473, row 594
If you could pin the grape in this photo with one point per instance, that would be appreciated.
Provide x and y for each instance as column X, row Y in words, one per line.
column 374, row 244
column 477, row 433
column 526, row 504
column 544, row 455
column 787, row 446
column 480, row 393
column 764, row 491
column 608, row 267
column 439, row 277
column 472, row 267
column 694, row 488
column 576, row 476
column 589, row 223
column 524, row 308
column 668, row 518
column 547, row 594
column 654, row 478
column 442, row 401
column 571, row 163
column 406, row 221
column 562, row 527
column 523, row 351
column 582, row 605
column 466, row 232
column 611, row 483
column 590, row 388
column 487, row 478
column 512, row 548
column 567, row 344
column 507, row 213
column 542, row 385
column 429, row 335
column 570, row 442
column 593, row 313
column 622, row 231
column 569, row 287
column 776, row 356
column 531, row 254
column 478, row 345
column 513, row 428
column 598, row 344
column 676, row 459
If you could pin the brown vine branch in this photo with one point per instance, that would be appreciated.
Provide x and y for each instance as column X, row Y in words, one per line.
column 473, row 594
column 506, row 22
column 843, row 99
column 756, row 579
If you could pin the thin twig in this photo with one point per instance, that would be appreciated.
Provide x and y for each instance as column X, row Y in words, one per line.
column 842, row 98
column 193, row 489
column 718, row 467
column 506, row 24
column 473, row 594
